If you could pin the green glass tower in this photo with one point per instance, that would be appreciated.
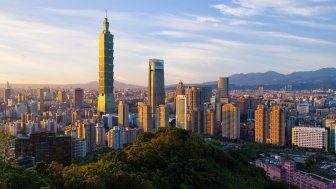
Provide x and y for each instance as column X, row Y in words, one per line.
column 106, row 103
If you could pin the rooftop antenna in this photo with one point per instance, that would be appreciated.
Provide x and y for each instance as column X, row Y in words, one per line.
column 105, row 13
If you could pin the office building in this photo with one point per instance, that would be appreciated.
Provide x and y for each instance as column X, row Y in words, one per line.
column 123, row 114
column 309, row 137
column 231, row 121
column 78, row 148
column 40, row 95
column 61, row 96
column 182, row 112
column 108, row 120
column 100, row 135
column 86, row 130
column 130, row 135
column 34, row 108
column 206, row 93
column 156, row 85
column 211, row 125
column 162, row 117
column 115, row 136
column 78, row 97
column 7, row 94
column 106, row 103
column 180, row 89
column 194, row 98
column 21, row 98
column 145, row 120
column 223, row 89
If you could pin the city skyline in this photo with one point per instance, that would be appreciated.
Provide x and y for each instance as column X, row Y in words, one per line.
column 47, row 41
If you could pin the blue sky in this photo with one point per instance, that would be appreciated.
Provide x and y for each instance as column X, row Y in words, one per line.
column 44, row 41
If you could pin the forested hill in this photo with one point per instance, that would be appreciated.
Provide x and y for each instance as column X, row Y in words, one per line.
column 170, row 158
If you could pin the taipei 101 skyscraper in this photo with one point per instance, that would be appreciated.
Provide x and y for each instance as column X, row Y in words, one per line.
column 106, row 103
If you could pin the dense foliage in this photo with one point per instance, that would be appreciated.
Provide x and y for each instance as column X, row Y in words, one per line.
column 170, row 158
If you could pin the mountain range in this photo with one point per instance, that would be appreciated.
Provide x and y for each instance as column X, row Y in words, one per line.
column 324, row 78
column 90, row 85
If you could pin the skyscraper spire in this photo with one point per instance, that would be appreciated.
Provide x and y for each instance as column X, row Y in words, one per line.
column 106, row 23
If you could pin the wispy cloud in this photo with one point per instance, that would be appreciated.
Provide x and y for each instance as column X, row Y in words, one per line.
column 244, row 8
column 207, row 19
column 297, row 38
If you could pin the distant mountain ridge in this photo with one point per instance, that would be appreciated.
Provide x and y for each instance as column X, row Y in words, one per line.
column 90, row 85
column 322, row 78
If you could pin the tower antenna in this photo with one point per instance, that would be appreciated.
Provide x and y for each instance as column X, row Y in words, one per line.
column 105, row 13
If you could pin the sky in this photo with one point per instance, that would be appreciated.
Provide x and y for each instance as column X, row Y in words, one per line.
column 56, row 41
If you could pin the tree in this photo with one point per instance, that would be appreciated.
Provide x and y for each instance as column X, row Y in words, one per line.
column 5, row 146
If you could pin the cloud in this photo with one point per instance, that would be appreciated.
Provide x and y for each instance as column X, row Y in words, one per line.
column 248, row 8
column 174, row 34
column 297, row 38
column 207, row 19
column 235, row 11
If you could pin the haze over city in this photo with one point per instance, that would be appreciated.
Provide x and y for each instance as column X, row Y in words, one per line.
column 55, row 42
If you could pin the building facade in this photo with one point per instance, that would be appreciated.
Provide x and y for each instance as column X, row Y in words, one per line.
column 309, row 137
column 223, row 89
column 182, row 112
column 78, row 97
column 231, row 121
column 106, row 102
column 145, row 120
column 123, row 113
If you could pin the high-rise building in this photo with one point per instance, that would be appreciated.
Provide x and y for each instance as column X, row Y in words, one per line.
column 270, row 125
column 206, row 93
column 231, row 121
column 34, row 108
column 195, row 104
column 21, row 98
column 162, row 116
column 40, row 95
column 210, row 124
column 7, row 94
column 182, row 112
column 277, row 126
column 123, row 113
column 87, row 131
column 115, row 138
column 78, row 97
column 223, row 89
column 156, row 85
column 78, row 148
column 180, row 89
column 262, row 122
column 145, row 120
column 106, row 103
column 61, row 96
column 100, row 135
column 194, row 98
